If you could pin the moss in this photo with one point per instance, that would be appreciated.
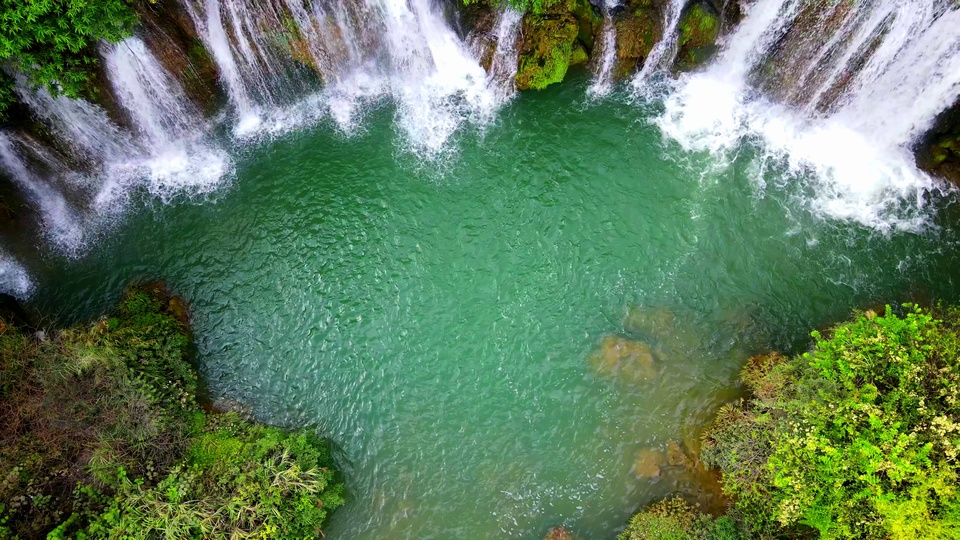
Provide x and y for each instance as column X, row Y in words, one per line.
column 546, row 50
column 699, row 29
column 637, row 33
column 579, row 55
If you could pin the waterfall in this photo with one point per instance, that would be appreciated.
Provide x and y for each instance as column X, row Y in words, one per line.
column 357, row 52
column 665, row 51
column 503, row 67
column 602, row 82
column 843, row 97
column 173, row 151
column 14, row 279
column 167, row 150
column 60, row 223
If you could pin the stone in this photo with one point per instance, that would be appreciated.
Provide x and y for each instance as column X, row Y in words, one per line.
column 699, row 29
column 638, row 30
column 676, row 457
column 553, row 40
column 648, row 463
column 558, row 533
column 628, row 360
column 654, row 322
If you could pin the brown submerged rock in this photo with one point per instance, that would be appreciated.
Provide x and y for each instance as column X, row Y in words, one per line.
column 558, row 533
column 649, row 463
column 628, row 360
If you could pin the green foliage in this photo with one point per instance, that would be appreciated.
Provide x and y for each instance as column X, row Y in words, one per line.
column 102, row 437
column 531, row 6
column 52, row 41
column 858, row 439
column 674, row 519
column 238, row 480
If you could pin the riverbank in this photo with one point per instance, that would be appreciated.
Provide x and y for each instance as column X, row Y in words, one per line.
column 103, row 436
column 856, row 439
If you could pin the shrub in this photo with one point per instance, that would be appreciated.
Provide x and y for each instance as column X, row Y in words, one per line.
column 102, row 437
column 857, row 439
column 675, row 519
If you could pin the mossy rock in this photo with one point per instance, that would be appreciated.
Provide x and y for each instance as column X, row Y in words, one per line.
column 589, row 22
column 546, row 49
column 699, row 29
column 637, row 33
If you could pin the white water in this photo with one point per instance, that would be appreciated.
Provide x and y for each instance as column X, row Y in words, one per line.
column 60, row 223
column 602, row 82
column 362, row 52
column 14, row 279
column 665, row 51
column 503, row 67
column 174, row 153
column 854, row 155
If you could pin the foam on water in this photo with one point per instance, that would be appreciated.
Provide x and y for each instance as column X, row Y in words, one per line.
column 854, row 154
column 14, row 279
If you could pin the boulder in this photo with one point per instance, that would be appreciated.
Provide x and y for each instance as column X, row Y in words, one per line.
column 625, row 359
column 638, row 30
column 553, row 40
column 558, row 533
column 698, row 29
column 649, row 463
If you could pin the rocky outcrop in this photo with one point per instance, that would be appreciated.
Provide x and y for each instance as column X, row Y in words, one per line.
column 639, row 28
column 171, row 36
column 698, row 31
column 938, row 151
column 552, row 41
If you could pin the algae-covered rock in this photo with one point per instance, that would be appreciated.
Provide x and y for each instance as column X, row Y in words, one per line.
column 558, row 533
column 625, row 359
column 938, row 151
column 638, row 30
column 649, row 463
column 553, row 40
column 546, row 49
column 698, row 30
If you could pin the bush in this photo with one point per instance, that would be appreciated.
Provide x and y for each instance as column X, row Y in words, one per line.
column 858, row 439
column 674, row 519
column 102, row 437
column 52, row 42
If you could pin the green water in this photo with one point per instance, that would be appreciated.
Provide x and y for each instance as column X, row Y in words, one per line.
column 434, row 320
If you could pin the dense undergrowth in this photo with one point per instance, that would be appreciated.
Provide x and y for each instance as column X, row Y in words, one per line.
column 102, row 437
column 859, row 438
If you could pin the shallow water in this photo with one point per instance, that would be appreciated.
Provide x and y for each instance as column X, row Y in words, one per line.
column 435, row 319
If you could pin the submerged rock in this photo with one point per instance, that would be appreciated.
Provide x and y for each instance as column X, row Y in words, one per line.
column 628, row 360
column 649, row 463
column 554, row 40
column 558, row 533
column 698, row 30
column 676, row 456
column 655, row 322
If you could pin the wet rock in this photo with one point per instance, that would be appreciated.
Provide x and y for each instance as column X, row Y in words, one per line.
column 628, row 360
column 698, row 29
column 558, row 533
column 171, row 37
column 649, row 463
column 676, row 457
column 638, row 30
column 550, row 41
column 938, row 151
column 654, row 322
column 481, row 20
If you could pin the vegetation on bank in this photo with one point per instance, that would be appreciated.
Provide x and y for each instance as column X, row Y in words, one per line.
column 102, row 437
column 53, row 42
column 859, row 438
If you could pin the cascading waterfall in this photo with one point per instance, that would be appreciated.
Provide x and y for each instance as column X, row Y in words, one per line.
column 665, row 51
column 603, row 81
column 503, row 67
column 60, row 223
column 174, row 153
column 862, row 90
column 404, row 50
column 167, row 151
